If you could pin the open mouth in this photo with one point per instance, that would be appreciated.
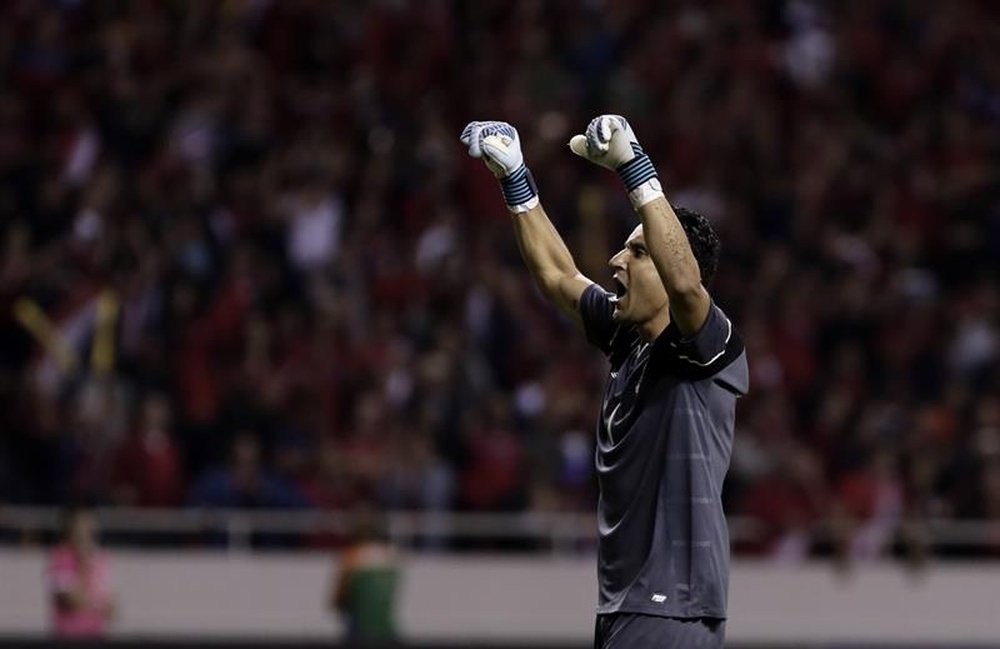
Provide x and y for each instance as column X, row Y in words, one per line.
column 620, row 289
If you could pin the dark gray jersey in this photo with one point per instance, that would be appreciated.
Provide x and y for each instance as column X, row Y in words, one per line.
column 663, row 445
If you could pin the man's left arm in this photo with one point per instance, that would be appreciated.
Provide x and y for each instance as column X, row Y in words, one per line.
column 610, row 142
column 671, row 253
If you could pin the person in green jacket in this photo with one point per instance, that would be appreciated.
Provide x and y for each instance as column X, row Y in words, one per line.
column 364, row 590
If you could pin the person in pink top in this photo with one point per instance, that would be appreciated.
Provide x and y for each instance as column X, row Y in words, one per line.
column 79, row 581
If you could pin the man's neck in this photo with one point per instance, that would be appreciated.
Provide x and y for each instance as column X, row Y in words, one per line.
column 651, row 329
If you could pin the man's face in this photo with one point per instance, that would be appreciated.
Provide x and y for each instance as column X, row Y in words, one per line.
column 641, row 295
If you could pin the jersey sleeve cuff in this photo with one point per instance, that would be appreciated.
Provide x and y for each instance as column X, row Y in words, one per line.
column 521, row 208
column 646, row 192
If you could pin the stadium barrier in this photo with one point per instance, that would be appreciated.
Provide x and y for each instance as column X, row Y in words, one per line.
column 558, row 532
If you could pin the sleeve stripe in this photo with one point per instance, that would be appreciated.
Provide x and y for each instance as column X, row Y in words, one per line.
column 725, row 344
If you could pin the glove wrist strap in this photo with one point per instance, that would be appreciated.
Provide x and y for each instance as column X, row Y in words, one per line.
column 637, row 170
column 639, row 176
column 519, row 190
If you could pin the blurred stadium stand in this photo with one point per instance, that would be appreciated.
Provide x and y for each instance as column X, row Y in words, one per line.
column 250, row 284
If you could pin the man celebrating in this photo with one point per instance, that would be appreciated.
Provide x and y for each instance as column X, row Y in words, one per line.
column 665, row 432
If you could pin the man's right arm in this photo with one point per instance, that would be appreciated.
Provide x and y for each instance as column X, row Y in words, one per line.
column 543, row 250
column 550, row 262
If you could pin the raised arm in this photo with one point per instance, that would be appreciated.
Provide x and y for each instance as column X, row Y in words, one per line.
column 610, row 142
column 671, row 252
column 543, row 250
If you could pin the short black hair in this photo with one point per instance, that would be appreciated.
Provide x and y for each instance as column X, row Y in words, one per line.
column 704, row 242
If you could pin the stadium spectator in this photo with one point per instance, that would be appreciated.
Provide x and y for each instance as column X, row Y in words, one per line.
column 79, row 580
column 788, row 503
column 365, row 586
column 244, row 482
column 147, row 470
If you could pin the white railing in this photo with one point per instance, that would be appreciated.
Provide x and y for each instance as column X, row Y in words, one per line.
column 562, row 532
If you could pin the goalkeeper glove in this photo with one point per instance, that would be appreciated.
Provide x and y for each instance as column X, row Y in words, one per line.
column 498, row 145
column 611, row 143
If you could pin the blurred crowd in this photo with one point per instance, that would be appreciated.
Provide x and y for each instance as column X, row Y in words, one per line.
column 247, row 263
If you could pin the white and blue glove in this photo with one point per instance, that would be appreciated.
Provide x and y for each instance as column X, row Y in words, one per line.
column 498, row 145
column 611, row 143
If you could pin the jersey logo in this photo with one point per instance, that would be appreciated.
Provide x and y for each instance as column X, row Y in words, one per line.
column 610, row 423
column 659, row 598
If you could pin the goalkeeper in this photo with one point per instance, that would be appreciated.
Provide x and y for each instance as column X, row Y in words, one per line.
column 665, row 430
